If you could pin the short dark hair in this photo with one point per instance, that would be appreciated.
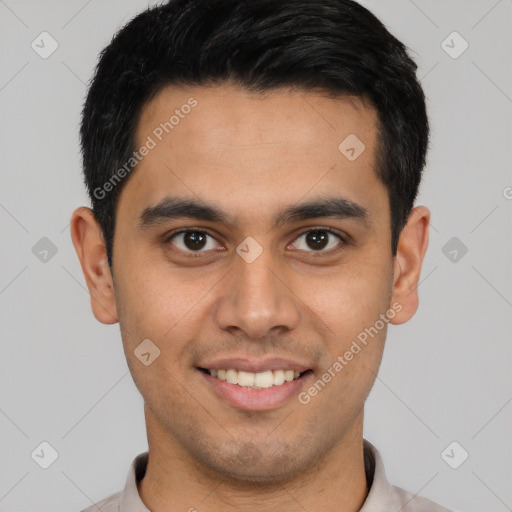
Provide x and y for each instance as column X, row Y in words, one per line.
column 336, row 46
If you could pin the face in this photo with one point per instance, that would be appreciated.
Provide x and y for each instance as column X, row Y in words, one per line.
column 250, row 246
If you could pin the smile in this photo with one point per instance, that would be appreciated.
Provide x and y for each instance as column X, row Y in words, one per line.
column 255, row 391
column 260, row 380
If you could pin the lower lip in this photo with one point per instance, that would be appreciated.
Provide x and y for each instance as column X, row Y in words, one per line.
column 255, row 399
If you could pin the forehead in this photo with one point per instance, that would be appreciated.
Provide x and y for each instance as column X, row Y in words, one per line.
column 255, row 150
column 227, row 116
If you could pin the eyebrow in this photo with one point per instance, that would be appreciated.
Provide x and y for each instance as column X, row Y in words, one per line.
column 177, row 207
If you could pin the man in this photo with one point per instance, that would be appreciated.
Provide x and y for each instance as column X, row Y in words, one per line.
column 253, row 168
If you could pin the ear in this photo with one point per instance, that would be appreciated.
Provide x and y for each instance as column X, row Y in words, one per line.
column 90, row 247
column 412, row 246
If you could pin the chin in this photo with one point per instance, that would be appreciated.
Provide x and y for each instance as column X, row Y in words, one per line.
column 268, row 474
column 251, row 464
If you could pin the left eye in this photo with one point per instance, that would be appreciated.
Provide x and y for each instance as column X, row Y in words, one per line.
column 317, row 240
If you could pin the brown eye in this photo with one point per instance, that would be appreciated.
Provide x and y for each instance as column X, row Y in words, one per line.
column 193, row 241
column 318, row 240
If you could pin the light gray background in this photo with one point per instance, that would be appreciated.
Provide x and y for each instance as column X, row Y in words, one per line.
column 445, row 375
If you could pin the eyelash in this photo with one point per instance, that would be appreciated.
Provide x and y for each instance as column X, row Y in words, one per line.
column 196, row 254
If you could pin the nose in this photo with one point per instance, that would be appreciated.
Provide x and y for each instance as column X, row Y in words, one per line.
column 257, row 301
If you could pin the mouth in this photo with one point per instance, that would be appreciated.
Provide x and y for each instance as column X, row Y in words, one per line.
column 264, row 389
column 261, row 380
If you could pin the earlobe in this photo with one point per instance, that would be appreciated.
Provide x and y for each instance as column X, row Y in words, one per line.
column 90, row 248
column 412, row 246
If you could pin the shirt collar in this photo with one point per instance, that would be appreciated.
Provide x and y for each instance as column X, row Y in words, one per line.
column 381, row 495
column 130, row 500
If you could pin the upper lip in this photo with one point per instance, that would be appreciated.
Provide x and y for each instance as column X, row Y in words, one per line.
column 253, row 365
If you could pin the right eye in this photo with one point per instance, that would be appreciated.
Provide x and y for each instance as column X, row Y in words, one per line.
column 192, row 241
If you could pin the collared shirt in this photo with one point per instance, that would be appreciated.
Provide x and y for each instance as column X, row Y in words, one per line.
column 382, row 497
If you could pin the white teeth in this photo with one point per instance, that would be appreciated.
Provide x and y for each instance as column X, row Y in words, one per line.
column 288, row 375
column 259, row 380
column 232, row 376
column 245, row 379
column 264, row 380
column 278, row 377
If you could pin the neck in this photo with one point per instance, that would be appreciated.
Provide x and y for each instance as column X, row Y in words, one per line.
column 174, row 481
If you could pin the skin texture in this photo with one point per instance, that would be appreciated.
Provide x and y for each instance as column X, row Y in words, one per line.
column 252, row 155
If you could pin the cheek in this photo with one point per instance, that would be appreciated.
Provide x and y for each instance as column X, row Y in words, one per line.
column 153, row 301
column 348, row 308
column 349, row 300
column 164, row 306
column 348, row 371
